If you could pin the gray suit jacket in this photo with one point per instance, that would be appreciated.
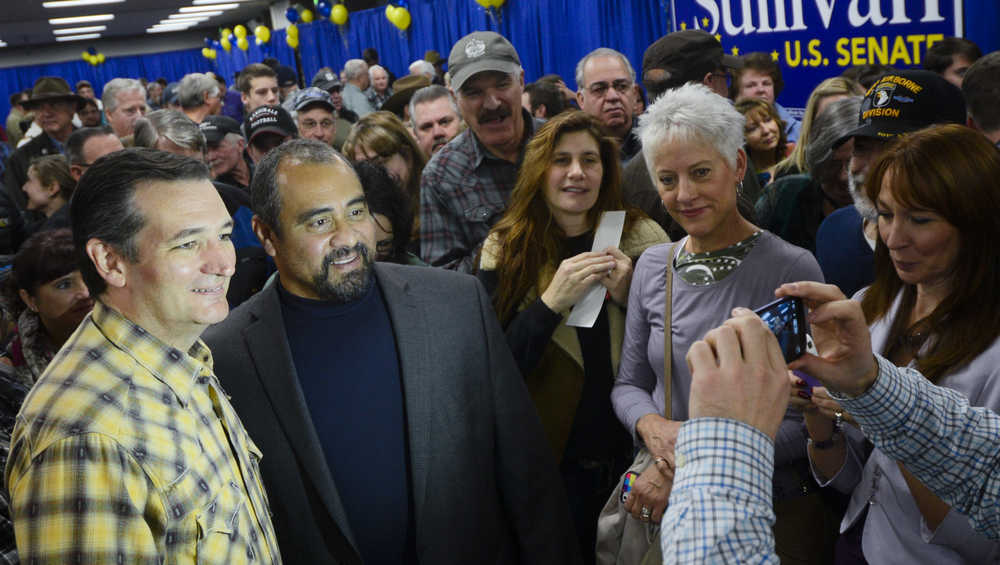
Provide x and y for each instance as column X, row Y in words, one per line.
column 485, row 484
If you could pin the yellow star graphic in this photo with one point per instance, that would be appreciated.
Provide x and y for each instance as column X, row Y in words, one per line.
column 718, row 37
column 774, row 55
column 736, row 50
column 684, row 25
column 704, row 21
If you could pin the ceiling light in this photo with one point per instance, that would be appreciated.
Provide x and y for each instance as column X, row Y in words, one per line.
column 82, row 19
column 78, row 37
column 195, row 9
column 179, row 23
column 172, row 26
column 3, row 43
column 205, row 2
column 74, row 30
column 166, row 29
column 204, row 15
column 75, row 3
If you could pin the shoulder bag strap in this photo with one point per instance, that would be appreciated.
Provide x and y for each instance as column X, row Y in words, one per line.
column 668, row 336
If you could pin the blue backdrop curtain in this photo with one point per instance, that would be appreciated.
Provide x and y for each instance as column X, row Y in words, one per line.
column 173, row 64
column 550, row 36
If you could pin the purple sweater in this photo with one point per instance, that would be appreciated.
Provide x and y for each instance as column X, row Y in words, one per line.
column 638, row 389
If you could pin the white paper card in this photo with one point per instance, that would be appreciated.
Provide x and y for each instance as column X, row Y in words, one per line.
column 608, row 234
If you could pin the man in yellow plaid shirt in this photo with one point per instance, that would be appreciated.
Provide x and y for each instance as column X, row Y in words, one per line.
column 127, row 450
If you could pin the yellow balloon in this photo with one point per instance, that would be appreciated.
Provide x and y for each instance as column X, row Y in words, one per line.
column 389, row 11
column 338, row 14
column 262, row 33
column 498, row 3
column 214, row 54
column 226, row 32
column 240, row 31
column 402, row 18
column 100, row 58
column 85, row 56
column 226, row 44
column 293, row 31
column 292, row 42
column 306, row 16
column 204, row 52
column 485, row 3
column 242, row 43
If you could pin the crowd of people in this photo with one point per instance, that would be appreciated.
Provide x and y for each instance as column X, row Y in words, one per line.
column 238, row 323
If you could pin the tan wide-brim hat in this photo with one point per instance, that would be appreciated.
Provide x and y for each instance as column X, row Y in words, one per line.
column 52, row 89
column 402, row 91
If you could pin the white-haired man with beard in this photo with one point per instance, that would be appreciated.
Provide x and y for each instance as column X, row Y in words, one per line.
column 898, row 103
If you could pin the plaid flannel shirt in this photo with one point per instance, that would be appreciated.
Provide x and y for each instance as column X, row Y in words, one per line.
column 720, row 506
column 952, row 447
column 464, row 190
column 128, row 451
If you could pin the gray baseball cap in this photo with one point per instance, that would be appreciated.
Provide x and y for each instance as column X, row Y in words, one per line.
column 310, row 96
column 481, row 51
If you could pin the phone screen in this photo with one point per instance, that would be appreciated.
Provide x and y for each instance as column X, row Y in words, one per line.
column 786, row 318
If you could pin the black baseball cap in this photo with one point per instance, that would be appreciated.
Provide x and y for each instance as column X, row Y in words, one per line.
column 286, row 76
column 274, row 119
column 905, row 101
column 216, row 127
column 688, row 55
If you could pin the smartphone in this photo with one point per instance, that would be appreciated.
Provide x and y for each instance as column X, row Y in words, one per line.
column 627, row 483
column 787, row 319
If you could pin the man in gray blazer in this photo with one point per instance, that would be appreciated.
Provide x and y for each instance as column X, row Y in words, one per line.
column 394, row 424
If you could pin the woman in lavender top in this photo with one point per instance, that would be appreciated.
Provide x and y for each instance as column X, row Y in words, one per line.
column 692, row 142
column 933, row 306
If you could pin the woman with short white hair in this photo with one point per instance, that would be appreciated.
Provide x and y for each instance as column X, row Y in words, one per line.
column 692, row 141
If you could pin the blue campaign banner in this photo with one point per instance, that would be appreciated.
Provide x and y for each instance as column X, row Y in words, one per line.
column 815, row 39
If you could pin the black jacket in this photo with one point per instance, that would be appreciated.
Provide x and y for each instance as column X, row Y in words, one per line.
column 485, row 485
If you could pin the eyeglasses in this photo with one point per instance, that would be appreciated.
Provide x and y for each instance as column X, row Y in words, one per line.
column 621, row 86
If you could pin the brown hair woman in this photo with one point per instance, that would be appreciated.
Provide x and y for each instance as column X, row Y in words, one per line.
column 933, row 306
column 536, row 262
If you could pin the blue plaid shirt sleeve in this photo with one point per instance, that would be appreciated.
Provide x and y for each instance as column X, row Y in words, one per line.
column 952, row 447
column 720, row 506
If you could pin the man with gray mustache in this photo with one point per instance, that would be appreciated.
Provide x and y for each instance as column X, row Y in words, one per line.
column 465, row 187
column 394, row 423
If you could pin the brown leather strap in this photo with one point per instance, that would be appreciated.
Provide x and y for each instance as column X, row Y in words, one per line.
column 668, row 336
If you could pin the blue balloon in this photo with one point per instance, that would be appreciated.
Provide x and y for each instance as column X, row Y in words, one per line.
column 292, row 15
column 208, row 42
column 92, row 50
column 324, row 8
column 232, row 38
column 216, row 45
column 402, row 4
